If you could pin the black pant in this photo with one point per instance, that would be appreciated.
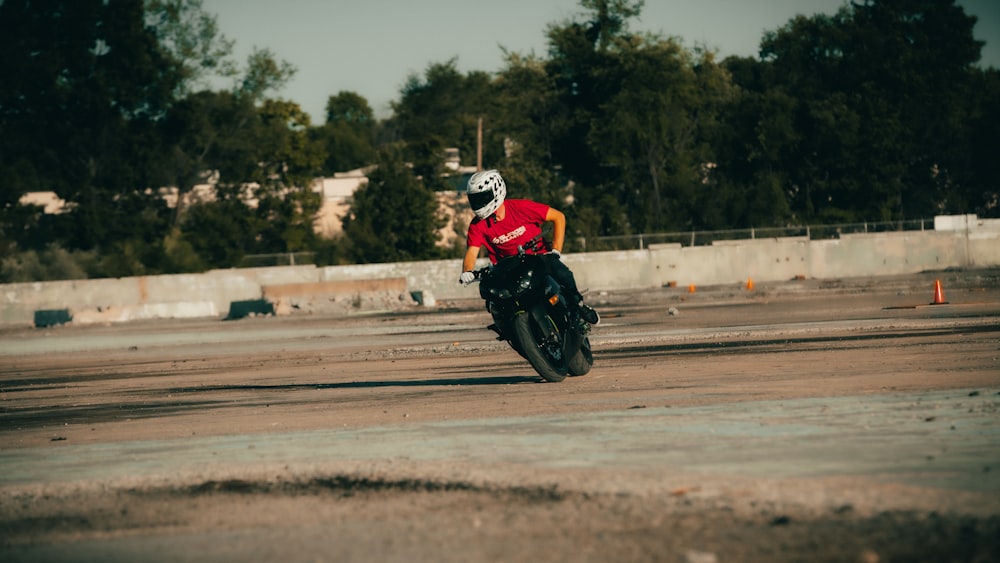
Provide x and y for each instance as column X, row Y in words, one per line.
column 558, row 270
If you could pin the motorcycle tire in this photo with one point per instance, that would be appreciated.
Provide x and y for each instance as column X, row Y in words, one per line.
column 550, row 369
column 581, row 362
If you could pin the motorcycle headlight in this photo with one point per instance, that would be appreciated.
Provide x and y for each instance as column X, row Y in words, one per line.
column 524, row 282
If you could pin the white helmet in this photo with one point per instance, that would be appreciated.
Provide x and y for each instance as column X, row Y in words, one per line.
column 486, row 193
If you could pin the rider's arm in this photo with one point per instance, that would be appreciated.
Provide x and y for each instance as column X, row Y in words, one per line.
column 558, row 227
column 471, row 255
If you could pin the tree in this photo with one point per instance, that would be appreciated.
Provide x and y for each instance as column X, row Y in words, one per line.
column 881, row 89
column 87, row 108
column 204, row 129
column 980, row 191
column 265, row 162
column 582, row 66
column 220, row 232
column 191, row 37
column 528, row 113
column 287, row 161
column 751, row 179
column 262, row 158
column 393, row 217
column 661, row 152
column 348, row 134
column 609, row 19
column 262, row 74
column 81, row 83
column 443, row 110
column 350, row 108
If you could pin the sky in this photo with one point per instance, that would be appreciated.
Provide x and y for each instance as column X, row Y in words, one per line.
column 371, row 47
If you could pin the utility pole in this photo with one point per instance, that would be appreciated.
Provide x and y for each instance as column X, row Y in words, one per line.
column 479, row 146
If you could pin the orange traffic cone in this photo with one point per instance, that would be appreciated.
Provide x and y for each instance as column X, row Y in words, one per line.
column 691, row 288
column 749, row 284
column 938, row 294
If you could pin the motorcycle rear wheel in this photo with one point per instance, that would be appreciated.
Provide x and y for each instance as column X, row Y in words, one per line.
column 550, row 369
column 581, row 362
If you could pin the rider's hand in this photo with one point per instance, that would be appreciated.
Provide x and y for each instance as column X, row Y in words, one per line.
column 466, row 278
column 556, row 253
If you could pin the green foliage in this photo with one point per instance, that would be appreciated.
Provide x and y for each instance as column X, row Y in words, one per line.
column 50, row 263
column 977, row 189
column 263, row 74
column 347, row 137
column 192, row 38
column 208, row 133
column 443, row 110
column 331, row 252
column 220, row 233
column 393, row 217
column 526, row 179
column 880, row 90
column 528, row 111
column 265, row 161
column 345, row 147
column 658, row 152
column 286, row 158
column 350, row 108
column 180, row 255
column 877, row 112
column 81, row 84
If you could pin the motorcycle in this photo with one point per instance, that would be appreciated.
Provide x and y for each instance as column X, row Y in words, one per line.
column 531, row 313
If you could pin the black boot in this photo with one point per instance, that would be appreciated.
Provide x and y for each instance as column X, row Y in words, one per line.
column 588, row 314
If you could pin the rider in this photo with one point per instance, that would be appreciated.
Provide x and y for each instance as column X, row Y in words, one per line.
column 502, row 225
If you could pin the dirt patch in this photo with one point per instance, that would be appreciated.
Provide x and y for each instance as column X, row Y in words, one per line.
column 345, row 519
column 794, row 423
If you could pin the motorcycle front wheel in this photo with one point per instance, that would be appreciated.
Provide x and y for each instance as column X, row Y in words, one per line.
column 550, row 367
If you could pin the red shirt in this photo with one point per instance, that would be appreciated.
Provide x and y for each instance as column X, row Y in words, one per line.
column 521, row 223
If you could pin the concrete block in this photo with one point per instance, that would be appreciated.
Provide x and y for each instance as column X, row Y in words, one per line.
column 51, row 317
column 250, row 307
column 424, row 298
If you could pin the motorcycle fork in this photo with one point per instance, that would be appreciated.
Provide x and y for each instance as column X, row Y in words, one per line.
column 546, row 318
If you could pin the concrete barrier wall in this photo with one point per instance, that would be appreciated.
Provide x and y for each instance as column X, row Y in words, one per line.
column 887, row 254
column 984, row 248
column 975, row 244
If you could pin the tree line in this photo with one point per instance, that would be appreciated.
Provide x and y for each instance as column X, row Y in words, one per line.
column 879, row 112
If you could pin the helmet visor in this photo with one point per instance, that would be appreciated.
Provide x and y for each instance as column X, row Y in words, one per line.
column 479, row 200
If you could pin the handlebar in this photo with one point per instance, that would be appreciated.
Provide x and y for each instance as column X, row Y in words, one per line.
column 535, row 245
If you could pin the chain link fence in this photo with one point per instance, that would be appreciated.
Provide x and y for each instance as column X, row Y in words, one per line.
column 702, row 238
column 279, row 259
column 642, row 241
